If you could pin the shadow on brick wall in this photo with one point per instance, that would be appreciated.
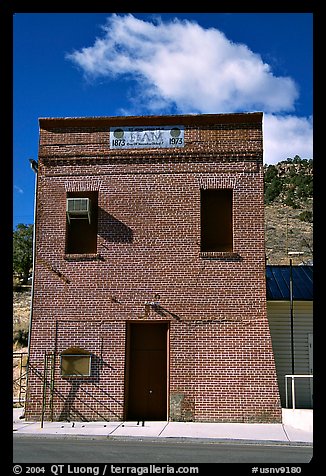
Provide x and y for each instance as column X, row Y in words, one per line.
column 86, row 399
column 113, row 230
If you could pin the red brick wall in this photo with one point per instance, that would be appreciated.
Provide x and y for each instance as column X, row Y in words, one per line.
column 221, row 366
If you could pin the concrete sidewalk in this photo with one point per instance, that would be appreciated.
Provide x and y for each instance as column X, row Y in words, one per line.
column 250, row 432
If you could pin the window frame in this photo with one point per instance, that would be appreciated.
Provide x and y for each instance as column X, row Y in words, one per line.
column 75, row 352
column 78, row 226
column 220, row 247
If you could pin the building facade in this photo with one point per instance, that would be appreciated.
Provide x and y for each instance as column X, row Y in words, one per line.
column 149, row 293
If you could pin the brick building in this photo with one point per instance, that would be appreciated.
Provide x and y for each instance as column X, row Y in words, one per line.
column 149, row 296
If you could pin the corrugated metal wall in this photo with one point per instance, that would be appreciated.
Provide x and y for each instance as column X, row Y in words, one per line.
column 280, row 327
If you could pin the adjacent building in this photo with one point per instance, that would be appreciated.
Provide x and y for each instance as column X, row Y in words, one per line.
column 290, row 316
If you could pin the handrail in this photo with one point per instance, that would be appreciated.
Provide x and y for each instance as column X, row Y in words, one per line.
column 293, row 387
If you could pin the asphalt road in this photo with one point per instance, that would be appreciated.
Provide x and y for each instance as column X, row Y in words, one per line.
column 29, row 449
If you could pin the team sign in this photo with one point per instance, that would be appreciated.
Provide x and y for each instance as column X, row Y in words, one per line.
column 146, row 137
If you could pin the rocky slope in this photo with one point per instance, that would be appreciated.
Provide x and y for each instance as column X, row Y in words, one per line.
column 286, row 232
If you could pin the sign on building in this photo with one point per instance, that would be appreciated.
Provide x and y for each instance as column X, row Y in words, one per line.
column 146, row 137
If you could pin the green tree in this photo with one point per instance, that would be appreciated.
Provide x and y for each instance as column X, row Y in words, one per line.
column 270, row 173
column 290, row 198
column 272, row 189
column 23, row 251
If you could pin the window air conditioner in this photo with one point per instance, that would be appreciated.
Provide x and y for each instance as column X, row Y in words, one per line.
column 78, row 208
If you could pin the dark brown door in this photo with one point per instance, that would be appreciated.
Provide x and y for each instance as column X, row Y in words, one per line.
column 147, row 371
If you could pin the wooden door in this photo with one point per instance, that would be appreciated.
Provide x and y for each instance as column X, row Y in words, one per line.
column 146, row 384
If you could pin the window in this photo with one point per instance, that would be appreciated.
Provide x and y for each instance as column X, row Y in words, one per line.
column 75, row 362
column 216, row 220
column 81, row 227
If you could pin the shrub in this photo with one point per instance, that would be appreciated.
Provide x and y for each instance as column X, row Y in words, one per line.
column 20, row 335
column 306, row 216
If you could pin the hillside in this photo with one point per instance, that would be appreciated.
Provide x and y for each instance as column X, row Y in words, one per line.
column 285, row 231
column 21, row 312
column 289, row 211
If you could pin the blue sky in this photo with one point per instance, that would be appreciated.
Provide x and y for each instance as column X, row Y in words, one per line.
column 106, row 64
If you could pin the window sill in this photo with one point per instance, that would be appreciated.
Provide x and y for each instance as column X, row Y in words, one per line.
column 224, row 255
column 83, row 257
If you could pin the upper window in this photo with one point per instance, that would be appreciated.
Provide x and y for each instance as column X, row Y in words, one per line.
column 216, row 220
column 81, row 222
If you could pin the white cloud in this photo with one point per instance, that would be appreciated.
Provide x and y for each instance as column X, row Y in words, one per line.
column 18, row 189
column 181, row 66
column 287, row 136
column 187, row 66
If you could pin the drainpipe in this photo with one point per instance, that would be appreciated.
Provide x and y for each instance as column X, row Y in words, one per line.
column 34, row 167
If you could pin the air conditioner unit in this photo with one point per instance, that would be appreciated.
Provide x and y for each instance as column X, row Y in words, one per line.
column 78, row 208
